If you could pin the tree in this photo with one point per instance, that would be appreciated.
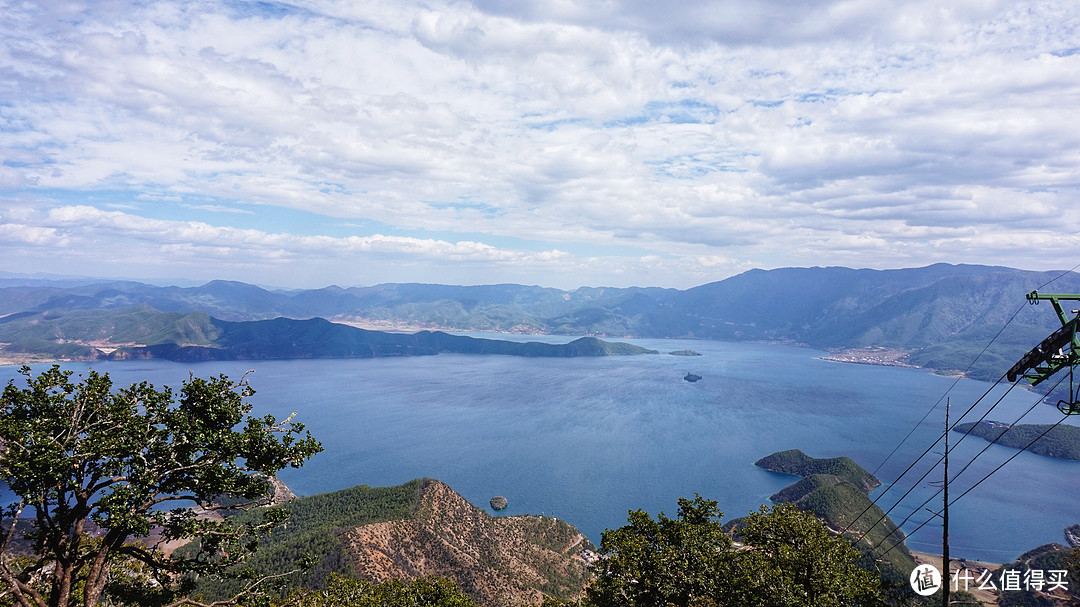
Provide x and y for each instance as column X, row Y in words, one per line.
column 664, row 562
column 1072, row 565
column 347, row 592
column 98, row 469
column 787, row 558
column 795, row 561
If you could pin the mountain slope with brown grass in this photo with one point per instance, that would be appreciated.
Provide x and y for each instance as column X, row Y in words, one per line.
column 497, row 560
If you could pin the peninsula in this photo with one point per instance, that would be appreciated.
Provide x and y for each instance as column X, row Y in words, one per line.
column 836, row 490
column 794, row 461
column 1060, row 441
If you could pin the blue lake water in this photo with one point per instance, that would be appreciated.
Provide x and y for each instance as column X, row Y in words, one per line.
column 587, row 439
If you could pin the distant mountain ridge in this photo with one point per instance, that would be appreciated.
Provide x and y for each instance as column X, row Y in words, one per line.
column 140, row 332
column 942, row 315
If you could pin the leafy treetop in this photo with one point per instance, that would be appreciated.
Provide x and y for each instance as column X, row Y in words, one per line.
column 786, row 557
column 80, row 455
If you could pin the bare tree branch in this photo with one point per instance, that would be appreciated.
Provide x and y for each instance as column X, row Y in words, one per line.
column 248, row 590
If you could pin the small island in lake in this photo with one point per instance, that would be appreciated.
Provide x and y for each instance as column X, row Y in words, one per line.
column 1059, row 441
column 690, row 377
column 684, row 353
column 498, row 503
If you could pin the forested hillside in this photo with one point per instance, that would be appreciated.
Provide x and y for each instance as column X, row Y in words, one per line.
column 422, row 529
column 794, row 461
column 1044, row 439
column 315, row 528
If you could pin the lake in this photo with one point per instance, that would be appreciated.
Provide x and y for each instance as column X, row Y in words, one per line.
column 587, row 439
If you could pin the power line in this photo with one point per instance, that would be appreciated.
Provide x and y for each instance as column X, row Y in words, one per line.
column 951, row 386
column 1044, row 433
column 979, row 483
column 931, row 469
column 934, row 406
column 991, row 443
column 971, row 461
column 917, row 460
column 988, row 475
column 946, row 562
column 1059, row 276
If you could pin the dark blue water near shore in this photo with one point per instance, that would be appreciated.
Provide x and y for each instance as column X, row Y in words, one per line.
column 587, row 439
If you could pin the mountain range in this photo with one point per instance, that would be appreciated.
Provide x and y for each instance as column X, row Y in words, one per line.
column 940, row 316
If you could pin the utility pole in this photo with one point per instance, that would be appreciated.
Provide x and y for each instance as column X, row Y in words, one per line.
column 945, row 576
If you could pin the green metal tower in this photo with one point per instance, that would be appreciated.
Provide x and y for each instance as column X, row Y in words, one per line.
column 1059, row 351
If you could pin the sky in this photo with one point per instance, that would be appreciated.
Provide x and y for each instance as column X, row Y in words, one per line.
column 560, row 143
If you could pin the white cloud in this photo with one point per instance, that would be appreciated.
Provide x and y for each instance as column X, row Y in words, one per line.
column 217, row 208
column 90, row 224
column 766, row 133
column 13, row 233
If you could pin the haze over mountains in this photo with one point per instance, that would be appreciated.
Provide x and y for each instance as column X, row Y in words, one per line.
column 940, row 315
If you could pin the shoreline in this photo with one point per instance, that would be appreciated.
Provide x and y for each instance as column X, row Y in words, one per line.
column 872, row 355
column 880, row 356
column 16, row 361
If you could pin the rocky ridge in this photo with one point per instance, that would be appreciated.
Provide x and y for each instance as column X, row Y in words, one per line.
column 497, row 560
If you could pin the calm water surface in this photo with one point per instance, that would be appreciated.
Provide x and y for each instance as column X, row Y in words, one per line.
column 587, row 439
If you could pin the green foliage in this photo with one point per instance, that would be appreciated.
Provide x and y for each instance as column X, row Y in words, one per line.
column 435, row 531
column 788, row 558
column 79, row 454
column 1062, row 441
column 880, row 544
column 345, row 592
column 666, row 561
column 793, row 560
column 838, row 503
column 805, row 486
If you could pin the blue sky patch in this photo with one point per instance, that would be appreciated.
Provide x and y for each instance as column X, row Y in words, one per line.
column 694, row 166
column 686, row 111
column 552, row 125
column 262, row 8
column 487, row 210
